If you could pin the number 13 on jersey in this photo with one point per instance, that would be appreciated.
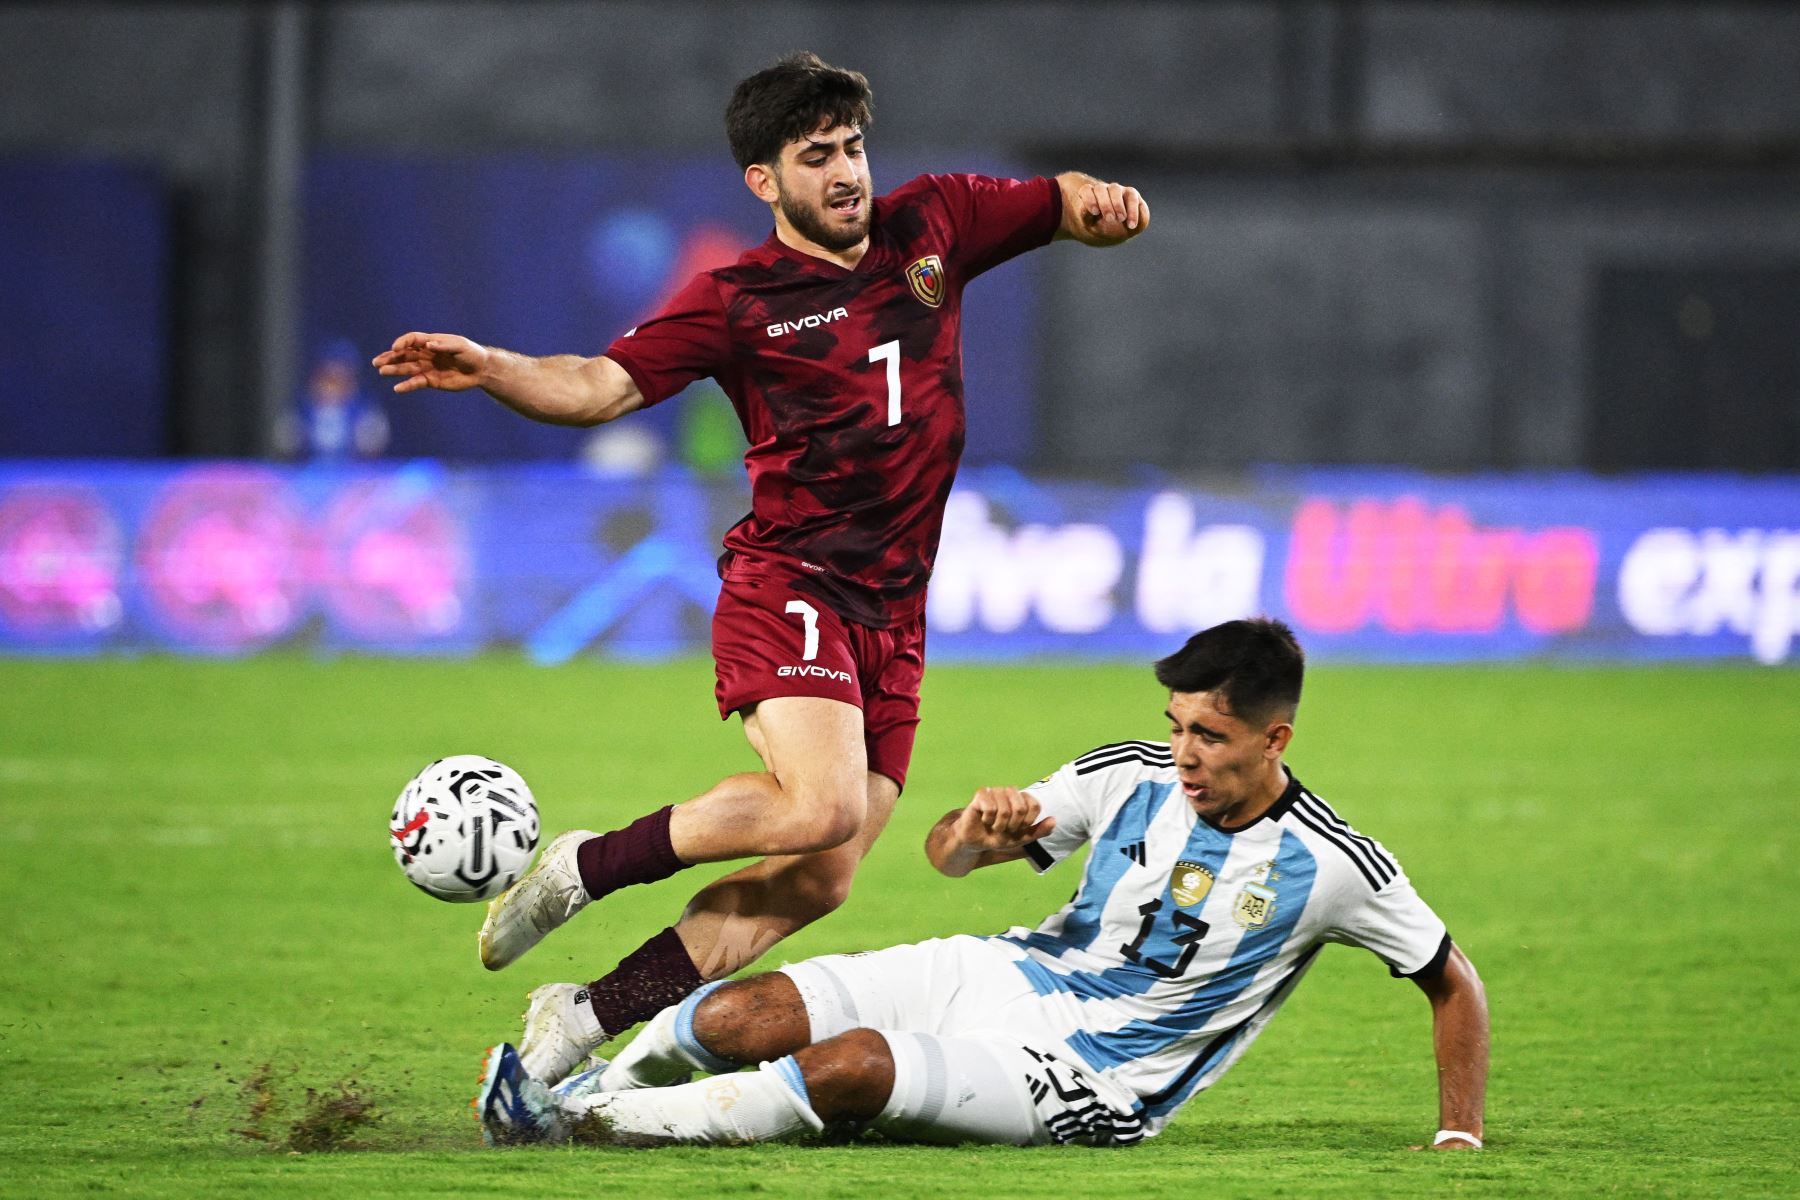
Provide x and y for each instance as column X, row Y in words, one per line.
column 889, row 352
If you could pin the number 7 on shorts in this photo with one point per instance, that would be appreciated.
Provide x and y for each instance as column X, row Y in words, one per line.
column 810, row 616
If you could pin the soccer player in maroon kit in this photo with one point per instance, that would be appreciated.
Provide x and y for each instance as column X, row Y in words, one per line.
column 838, row 342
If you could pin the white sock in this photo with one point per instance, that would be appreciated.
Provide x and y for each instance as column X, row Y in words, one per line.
column 954, row 1090
column 764, row 1105
column 665, row 1051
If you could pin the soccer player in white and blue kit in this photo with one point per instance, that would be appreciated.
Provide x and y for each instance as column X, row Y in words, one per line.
column 1214, row 879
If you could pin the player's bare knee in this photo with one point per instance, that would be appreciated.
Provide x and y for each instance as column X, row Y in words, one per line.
column 826, row 817
column 848, row 1077
column 724, row 1010
column 866, row 1052
column 720, row 1019
column 753, row 1020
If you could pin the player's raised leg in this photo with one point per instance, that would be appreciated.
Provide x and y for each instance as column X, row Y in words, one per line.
column 727, row 926
column 812, row 797
column 873, row 677
column 735, row 920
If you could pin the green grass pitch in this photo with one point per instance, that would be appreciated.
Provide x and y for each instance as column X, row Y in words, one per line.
column 213, row 980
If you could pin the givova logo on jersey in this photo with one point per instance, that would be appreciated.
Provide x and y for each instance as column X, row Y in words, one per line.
column 810, row 321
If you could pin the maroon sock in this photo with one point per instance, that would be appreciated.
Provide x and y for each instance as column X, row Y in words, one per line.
column 646, row 981
column 639, row 853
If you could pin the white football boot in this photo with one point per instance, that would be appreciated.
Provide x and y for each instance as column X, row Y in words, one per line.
column 550, row 893
column 561, row 1031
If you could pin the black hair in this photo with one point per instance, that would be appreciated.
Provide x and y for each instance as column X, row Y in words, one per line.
column 1255, row 667
column 791, row 99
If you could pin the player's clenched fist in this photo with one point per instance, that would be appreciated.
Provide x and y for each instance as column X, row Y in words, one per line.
column 1002, row 818
column 438, row 360
column 1109, row 213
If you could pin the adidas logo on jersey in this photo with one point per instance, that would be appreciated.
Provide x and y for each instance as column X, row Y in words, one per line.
column 808, row 322
column 1135, row 852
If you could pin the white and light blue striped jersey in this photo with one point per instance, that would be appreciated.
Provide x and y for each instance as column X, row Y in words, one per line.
column 1184, row 939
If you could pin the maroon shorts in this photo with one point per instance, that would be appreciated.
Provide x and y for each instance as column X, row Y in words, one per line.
column 769, row 639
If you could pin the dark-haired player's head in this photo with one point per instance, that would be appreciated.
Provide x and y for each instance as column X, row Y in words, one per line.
column 796, row 130
column 1254, row 667
column 1233, row 693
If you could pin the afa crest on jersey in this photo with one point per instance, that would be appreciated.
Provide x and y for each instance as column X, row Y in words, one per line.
column 927, row 279
column 1189, row 883
column 1255, row 905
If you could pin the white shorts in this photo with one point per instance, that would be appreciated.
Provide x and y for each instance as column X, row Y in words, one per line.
column 975, row 1058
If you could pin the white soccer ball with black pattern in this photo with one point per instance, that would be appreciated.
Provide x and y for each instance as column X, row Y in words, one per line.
column 465, row 828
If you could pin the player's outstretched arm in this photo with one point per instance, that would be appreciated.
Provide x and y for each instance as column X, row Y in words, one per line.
column 563, row 389
column 996, row 827
column 1459, row 1037
column 1097, row 213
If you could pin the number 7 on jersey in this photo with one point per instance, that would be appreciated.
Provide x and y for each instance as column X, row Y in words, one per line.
column 889, row 352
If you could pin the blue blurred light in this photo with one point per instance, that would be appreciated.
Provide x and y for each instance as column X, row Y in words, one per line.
column 629, row 254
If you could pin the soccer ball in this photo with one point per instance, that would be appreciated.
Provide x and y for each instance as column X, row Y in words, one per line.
column 465, row 828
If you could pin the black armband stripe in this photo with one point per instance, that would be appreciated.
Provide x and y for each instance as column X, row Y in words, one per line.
column 1431, row 968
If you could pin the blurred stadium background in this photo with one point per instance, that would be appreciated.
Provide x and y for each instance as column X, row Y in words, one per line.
column 1467, row 330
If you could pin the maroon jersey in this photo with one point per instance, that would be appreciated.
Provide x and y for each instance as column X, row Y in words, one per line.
column 849, row 386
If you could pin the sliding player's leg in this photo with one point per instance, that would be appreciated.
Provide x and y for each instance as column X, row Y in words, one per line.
column 761, row 1019
column 916, row 1086
column 720, row 1028
column 843, row 1080
column 727, row 1025
column 727, row 926
column 912, row 1086
column 902, row 1072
